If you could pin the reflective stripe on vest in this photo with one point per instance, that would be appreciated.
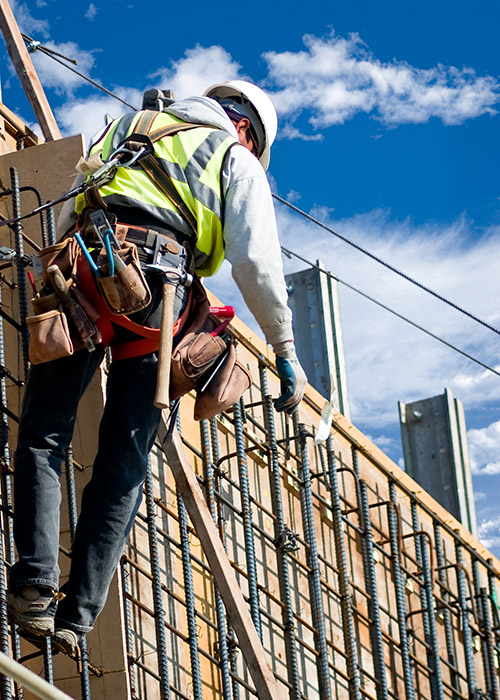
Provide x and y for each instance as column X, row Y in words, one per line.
column 193, row 159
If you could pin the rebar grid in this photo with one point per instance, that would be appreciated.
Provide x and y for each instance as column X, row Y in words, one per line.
column 357, row 583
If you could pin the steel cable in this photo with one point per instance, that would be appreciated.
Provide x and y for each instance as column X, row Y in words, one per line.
column 387, row 265
column 395, row 313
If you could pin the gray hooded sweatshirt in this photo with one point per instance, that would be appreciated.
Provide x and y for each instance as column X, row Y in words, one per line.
column 250, row 235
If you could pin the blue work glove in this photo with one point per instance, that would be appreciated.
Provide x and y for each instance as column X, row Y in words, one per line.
column 292, row 376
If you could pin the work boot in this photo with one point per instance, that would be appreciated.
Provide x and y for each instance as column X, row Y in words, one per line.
column 32, row 608
column 66, row 640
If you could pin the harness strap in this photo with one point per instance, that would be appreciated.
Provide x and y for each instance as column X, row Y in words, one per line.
column 151, row 165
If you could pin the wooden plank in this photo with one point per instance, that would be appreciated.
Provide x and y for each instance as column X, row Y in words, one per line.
column 256, row 659
column 27, row 73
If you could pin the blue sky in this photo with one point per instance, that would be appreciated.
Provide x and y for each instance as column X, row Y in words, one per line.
column 389, row 133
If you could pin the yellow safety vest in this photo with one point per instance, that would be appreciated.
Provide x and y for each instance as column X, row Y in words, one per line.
column 193, row 161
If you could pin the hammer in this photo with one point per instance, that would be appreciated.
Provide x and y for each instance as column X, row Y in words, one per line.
column 170, row 265
column 162, row 396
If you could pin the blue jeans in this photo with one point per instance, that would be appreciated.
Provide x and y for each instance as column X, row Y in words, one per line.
column 111, row 498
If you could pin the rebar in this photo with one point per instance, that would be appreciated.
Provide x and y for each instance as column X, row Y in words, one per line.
column 246, row 514
column 6, row 534
column 400, row 594
column 220, row 611
column 371, row 589
column 466, row 631
column 71, row 492
column 73, row 518
column 314, row 576
column 21, row 273
column 187, row 572
column 343, row 578
column 128, row 624
column 445, row 612
column 280, row 539
column 489, row 643
column 428, row 611
column 156, row 586
column 51, row 226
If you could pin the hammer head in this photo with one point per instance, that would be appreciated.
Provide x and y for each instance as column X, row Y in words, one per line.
column 171, row 258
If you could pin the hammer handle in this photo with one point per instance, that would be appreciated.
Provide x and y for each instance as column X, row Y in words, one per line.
column 162, row 398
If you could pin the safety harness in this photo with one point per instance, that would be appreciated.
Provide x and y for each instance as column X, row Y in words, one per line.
column 148, row 338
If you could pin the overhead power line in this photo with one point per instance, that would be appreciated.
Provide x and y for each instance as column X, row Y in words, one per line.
column 291, row 253
column 387, row 265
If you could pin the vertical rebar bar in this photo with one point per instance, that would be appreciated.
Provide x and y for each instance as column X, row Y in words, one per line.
column 6, row 534
column 73, row 518
column 246, row 514
column 446, row 613
column 466, row 630
column 428, row 608
column 187, row 572
column 220, row 612
column 400, row 593
column 128, row 625
column 48, row 668
column 21, row 273
column 489, row 645
column 479, row 616
column 343, row 577
column 284, row 544
column 312, row 558
column 71, row 491
column 492, row 579
column 51, row 226
column 371, row 589
column 159, row 615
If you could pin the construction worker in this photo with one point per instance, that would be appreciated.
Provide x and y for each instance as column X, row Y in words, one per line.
column 220, row 167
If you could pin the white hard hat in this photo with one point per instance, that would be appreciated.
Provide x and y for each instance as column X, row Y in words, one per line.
column 251, row 102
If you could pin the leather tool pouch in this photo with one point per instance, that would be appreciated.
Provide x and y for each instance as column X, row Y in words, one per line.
column 126, row 291
column 226, row 387
column 49, row 336
column 53, row 333
column 205, row 361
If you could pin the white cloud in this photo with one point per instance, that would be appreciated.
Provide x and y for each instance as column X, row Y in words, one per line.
column 58, row 77
column 336, row 78
column 87, row 116
column 91, row 12
column 387, row 359
column 484, row 449
column 197, row 70
column 489, row 532
column 27, row 23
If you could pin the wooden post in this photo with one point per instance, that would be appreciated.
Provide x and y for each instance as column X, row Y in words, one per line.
column 27, row 73
column 256, row 659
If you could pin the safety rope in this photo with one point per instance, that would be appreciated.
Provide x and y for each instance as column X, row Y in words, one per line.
column 290, row 253
column 386, row 264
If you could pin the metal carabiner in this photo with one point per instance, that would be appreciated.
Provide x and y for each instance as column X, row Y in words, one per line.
column 135, row 155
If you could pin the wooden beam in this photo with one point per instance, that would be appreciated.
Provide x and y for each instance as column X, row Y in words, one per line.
column 256, row 659
column 27, row 73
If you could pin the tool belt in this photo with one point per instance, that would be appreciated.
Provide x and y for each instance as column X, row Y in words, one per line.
column 91, row 310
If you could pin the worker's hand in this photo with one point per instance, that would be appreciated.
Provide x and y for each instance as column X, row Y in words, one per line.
column 292, row 376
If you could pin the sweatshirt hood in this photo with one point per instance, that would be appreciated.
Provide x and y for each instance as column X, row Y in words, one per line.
column 202, row 110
